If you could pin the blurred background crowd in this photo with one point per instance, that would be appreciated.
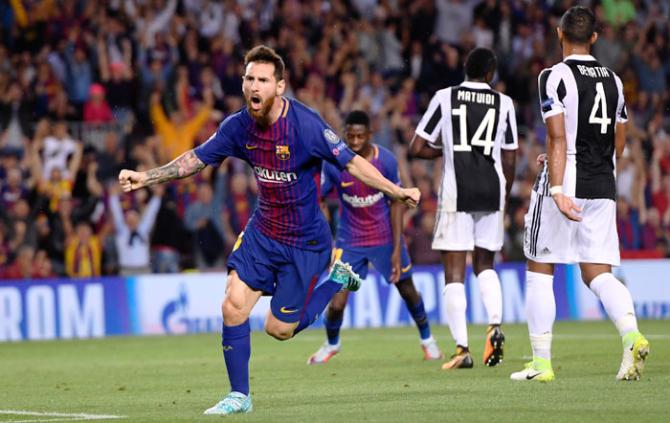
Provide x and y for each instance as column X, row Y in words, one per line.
column 90, row 87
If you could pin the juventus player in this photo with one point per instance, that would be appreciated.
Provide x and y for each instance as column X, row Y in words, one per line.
column 572, row 211
column 474, row 128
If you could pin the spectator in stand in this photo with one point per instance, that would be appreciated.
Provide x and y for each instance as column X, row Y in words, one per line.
column 203, row 220
column 12, row 188
column 170, row 238
column 133, row 231
column 96, row 109
column 79, row 69
column 178, row 132
column 83, row 254
column 654, row 232
column 16, row 116
column 22, row 266
column 59, row 151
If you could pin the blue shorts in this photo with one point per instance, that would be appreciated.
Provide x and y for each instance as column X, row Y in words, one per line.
column 379, row 256
column 287, row 273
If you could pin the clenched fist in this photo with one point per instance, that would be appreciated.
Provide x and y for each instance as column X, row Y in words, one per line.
column 410, row 196
column 131, row 180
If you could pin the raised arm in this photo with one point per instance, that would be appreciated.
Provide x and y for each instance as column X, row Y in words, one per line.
column 365, row 172
column 183, row 166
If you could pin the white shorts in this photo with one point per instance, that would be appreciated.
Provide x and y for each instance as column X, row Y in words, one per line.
column 462, row 231
column 550, row 237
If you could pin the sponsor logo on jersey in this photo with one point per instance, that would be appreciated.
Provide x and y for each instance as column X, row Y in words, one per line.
column 283, row 152
column 330, row 136
column 347, row 184
column 367, row 201
column 251, row 147
column 274, row 176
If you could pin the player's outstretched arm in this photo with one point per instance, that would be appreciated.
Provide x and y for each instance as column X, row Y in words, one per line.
column 419, row 148
column 556, row 157
column 365, row 172
column 183, row 166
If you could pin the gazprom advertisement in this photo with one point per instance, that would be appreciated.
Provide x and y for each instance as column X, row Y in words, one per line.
column 191, row 303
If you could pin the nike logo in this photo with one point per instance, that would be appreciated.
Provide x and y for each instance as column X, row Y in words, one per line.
column 529, row 376
column 406, row 269
column 347, row 184
column 227, row 347
column 251, row 147
column 287, row 310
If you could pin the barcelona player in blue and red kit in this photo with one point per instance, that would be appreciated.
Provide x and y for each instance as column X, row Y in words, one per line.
column 370, row 231
column 286, row 244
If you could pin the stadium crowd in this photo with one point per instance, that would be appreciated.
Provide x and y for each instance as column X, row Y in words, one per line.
column 88, row 88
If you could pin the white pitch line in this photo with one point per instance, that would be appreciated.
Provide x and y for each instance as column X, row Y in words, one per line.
column 59, row 416
column 58, row 419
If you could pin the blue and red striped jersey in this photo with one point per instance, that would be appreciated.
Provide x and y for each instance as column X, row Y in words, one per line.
column 286, row 159
column 365, row 213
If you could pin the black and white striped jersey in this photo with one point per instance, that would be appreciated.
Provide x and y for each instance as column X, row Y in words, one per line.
column 471, row 123
column 591, row 98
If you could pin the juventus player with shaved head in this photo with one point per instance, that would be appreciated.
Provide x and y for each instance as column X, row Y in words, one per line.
column 474, row 128
column 572, row 214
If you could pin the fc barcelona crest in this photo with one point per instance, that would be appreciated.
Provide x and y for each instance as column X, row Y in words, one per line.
column 283, row 152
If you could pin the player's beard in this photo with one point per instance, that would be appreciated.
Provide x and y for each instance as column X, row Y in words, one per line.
column 261, row 116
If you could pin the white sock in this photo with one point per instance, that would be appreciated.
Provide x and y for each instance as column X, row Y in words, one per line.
column 489, row 287
column 541, row 345
column 617, row 302
column 456, row 306
column 540, row 311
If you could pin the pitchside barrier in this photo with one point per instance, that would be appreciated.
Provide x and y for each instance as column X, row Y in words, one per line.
column 190, row 303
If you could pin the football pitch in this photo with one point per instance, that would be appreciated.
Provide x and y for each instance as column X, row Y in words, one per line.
column 378, row 377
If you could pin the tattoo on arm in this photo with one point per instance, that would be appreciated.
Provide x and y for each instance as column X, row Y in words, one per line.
column 183, row 166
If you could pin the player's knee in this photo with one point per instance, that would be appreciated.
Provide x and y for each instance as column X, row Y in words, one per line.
column 278, row 332
column 232, row 311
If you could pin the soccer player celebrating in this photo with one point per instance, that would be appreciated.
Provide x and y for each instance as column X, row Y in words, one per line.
column 370, row 231
column 572, row 213
column 286, row 245
column 477, row 129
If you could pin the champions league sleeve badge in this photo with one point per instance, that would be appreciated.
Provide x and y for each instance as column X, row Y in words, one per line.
column 331, row 136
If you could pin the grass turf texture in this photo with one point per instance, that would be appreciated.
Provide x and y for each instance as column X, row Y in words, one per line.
column 378, row 377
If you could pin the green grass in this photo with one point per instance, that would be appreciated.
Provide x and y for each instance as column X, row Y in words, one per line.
column 378, row 377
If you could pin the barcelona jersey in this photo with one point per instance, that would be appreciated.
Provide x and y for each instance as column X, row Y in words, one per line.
column 365, row 219
column 286, row 159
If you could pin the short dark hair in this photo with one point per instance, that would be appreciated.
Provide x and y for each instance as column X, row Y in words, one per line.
column 357, row 117
column 265, row 54
column 578, row 24
column 479, row 63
